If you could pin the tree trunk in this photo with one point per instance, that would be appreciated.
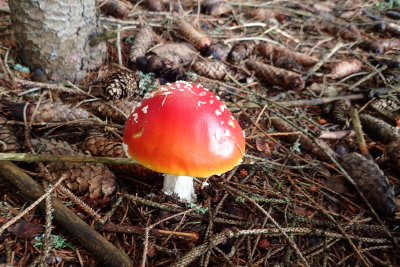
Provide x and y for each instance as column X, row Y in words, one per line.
column 54, row 36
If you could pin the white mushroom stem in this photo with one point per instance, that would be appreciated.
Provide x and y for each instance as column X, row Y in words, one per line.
column 182, row 186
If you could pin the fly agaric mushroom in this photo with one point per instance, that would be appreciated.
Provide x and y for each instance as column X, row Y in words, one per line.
column 184, row 131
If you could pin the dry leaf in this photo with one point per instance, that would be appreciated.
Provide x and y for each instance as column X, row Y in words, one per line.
column 263, row 145
column 25, row 229
column 241, row 50
column 219, row 51
column 181, row 53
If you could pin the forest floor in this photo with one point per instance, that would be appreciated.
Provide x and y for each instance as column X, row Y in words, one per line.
column 314, row 86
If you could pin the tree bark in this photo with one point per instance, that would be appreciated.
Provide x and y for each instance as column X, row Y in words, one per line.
column 54, row 37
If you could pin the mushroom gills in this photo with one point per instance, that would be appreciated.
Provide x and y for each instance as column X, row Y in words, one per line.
column 179, row 185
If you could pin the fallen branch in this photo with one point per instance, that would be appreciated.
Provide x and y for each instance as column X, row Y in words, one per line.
column 27, row 157
column 104, row 251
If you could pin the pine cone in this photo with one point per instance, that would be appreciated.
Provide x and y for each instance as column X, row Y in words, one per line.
column 117, row 110
column 274, row 51
column 213, row 69
column 344, row 68
column 393, row 151
column 388, row 105
column 121, row 85
column 8, row 140
column 199, row 39
column 340, row 111
column 379, row 129
column 346, row 33
column 277, row 76
column 288, row 63
column 46, row 112
column 393, row 77
column 154, row 5
column 95, row 179
column 372, row 182
column 57, row 148
column 103, row 147
column 143, row 40
column 114, row 8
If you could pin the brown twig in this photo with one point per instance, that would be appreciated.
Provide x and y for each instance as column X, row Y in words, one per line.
column 336, row 134
column 359, row 132
column 131, row 229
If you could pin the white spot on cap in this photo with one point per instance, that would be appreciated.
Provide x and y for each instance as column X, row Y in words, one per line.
column 167, row 93
column 231, row 123
column 218, row 98
column 202, row 94
column 232, row 118
column 199, row 103
column 222, row 108
column 222, row 122
column 227, row 132
column 138, row 104
column 145, row 109
column 211, row 101
column 135, row 117
column 217, row 112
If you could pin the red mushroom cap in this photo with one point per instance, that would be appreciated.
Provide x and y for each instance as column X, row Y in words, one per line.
column 183, row 129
